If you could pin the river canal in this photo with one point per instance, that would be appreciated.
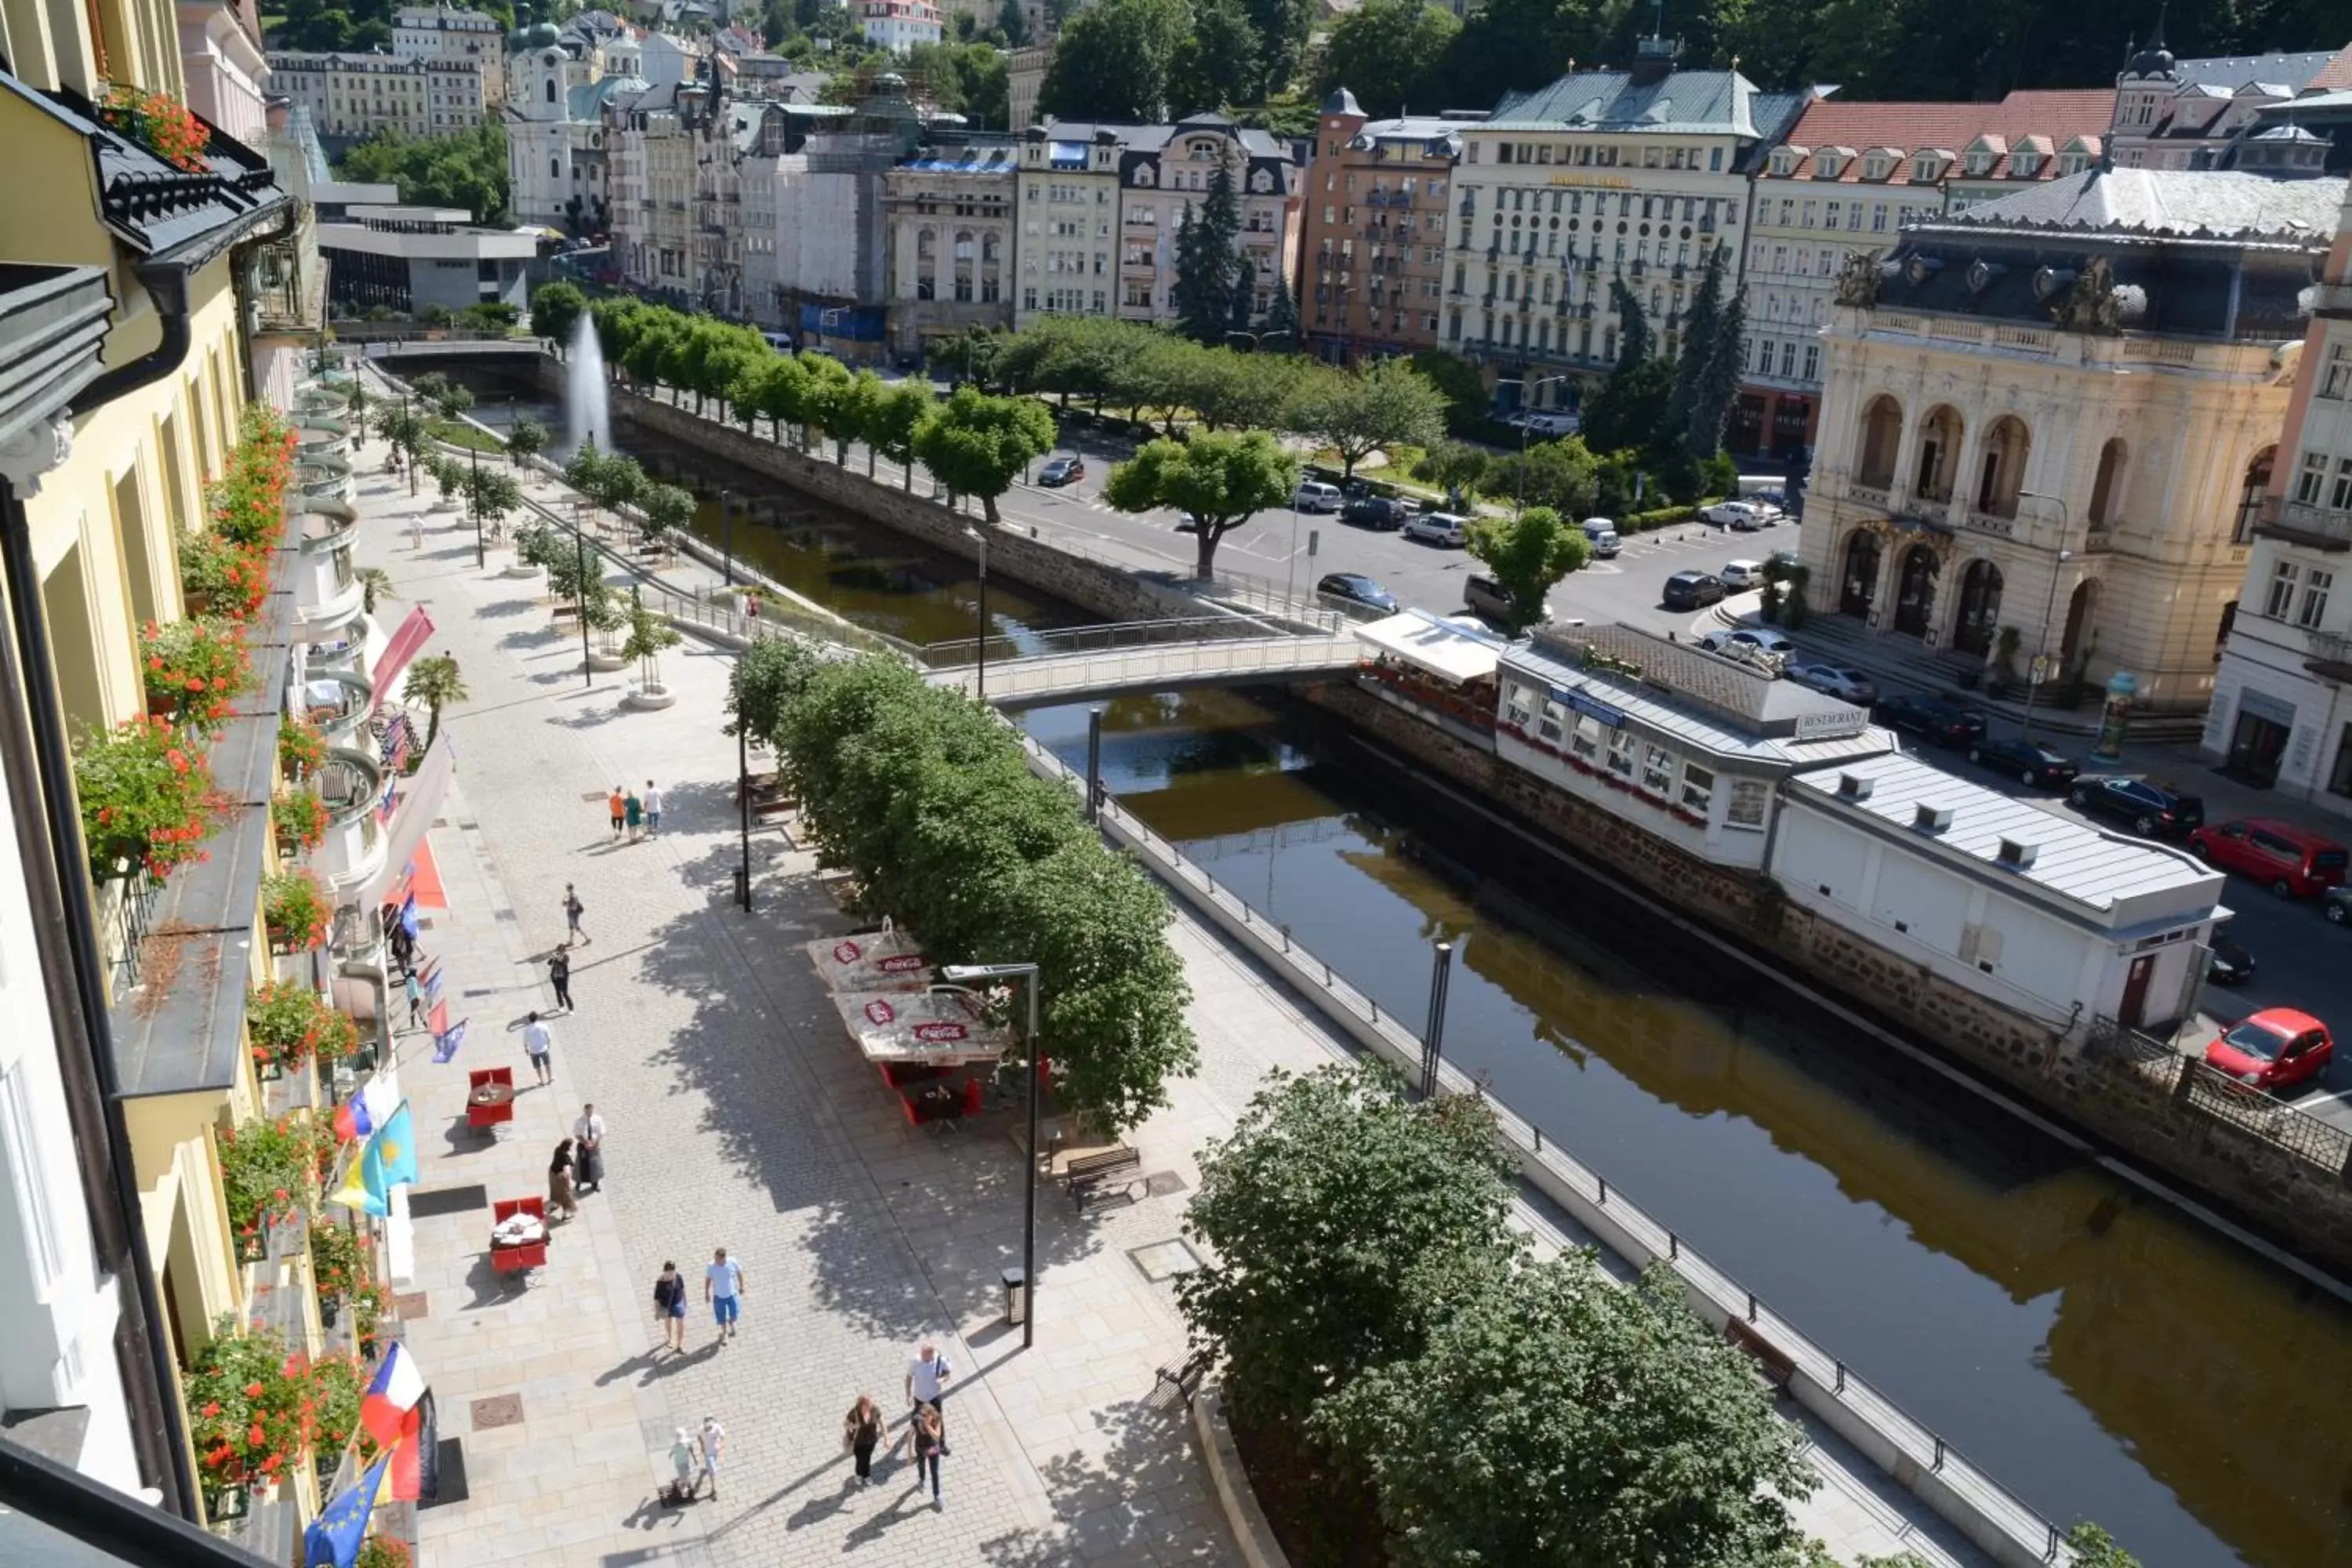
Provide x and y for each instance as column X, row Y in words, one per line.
column 2099, row 1352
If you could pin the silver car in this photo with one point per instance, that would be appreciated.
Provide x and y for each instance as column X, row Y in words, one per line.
column 1831, row 681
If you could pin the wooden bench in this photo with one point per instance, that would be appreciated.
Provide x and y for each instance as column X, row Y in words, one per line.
column 1776, row 1368
column 1185, row 1377
column 1096, row 1178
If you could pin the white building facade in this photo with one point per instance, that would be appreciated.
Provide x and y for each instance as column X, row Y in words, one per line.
column 951, row 226
column 557, row 171
column 899, row 26
column 221, row 57
column 2179, row 115
column 353, row 96
column 456, row 38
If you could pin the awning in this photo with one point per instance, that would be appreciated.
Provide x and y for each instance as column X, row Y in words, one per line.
column 1445, row 649
column 940, row 1028
column 420, row 801
column 885, row 960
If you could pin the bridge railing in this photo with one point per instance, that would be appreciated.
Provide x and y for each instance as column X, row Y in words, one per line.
column 1172, row 664
column 1005, row 647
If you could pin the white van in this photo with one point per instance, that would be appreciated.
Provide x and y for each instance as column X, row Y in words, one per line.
column 1602, row 534
column 1439, row 528
column 1315, row 496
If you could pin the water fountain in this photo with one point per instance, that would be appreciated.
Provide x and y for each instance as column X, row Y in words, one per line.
column 587, row 402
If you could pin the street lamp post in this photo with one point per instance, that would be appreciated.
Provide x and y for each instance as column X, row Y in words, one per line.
column 727, row 534
column 964, row 973
column 743, row 804
column 1257, row 340
column 2033, row 677
column 474, row 494
column 1527, row 390
column 980, row 683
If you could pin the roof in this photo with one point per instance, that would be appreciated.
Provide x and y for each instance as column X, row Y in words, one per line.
column 1429, row 642
column 2073, row 861
column 1425, row 133
column 2291, row 73
column 1257, row 143
column 586, row 101
column 968, row 160
column 2186, row 203
column 1705, row 102
column 1910, row 128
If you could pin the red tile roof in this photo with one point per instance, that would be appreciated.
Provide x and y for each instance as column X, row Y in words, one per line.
column 2059, row 115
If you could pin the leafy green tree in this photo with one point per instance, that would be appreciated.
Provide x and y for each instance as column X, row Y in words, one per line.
column 453, row 401
column 775, row 389
column 667, row 509
column 1629, row 408
column 1205, row 281
column 435, row 681
column 892, row 423
column 1459, row 382
column 823, row 403
column 1634, row 339
column 355, row 401
column 976, row 445
column 1355, row 413
column 1223, row 478
column 1458, row 468
column 1218, row 62
column 465, row 169
column 1282, row 27
column 1633, row 1433
column 494, row 496
column 649, row 635
column 1525, row 554
column 1343, row 1218
column 1562, row 475
column 1241, row 390
column 2095, row 1548
column 526, row 440
column 403, row 430
column 1387, row 52
column 1282, row 321
column 1113, row 60
column 1013, row 23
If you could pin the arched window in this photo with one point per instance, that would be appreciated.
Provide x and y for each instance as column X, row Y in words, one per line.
column 2251, row 499
column 2108, row 489
column 1939, row 454
column 2007, row 448
column 555, row 168
column 550, row 90
column 1881, row 432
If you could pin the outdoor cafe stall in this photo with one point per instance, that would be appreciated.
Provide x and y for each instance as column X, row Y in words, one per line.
column 1440, row 669
column 885, row 960
column 926, row 1043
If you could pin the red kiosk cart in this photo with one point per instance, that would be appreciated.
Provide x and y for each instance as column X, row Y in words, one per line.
column 490, row 1096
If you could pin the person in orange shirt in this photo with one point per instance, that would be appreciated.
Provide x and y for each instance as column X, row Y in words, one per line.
column 619, row 804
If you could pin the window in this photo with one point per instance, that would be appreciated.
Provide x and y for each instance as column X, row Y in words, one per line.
column 1657, row 769
column 1584, row 742
column 2313, row 475
column 1516, row 711
column 1748, row 800
column 2340, row 496
column 1698, row 788
column 1812, row 361
column 1621, row 752
column 2338, row 372
column 2284, row 576
column 1548, row 728
column 2315, row 583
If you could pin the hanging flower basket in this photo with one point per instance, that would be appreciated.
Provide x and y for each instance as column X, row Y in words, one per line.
column 147, row 798
column 268, row 1171
column 219, row 576
column 383, row 1551
column 251, row 1412
column 300, row 818
column 248, row 506
column 301, row 749
column 290, row 1024
column 160, row 124
column 296, row 911
column 192, row 668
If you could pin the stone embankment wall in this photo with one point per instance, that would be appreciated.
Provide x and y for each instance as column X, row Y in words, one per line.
column 2132, row 1105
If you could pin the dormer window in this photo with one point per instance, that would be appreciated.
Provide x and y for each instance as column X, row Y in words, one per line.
column 1875, row 168
column 1923, row 170
column 1827, row 165
column 2023, row 165
column 1980, row 164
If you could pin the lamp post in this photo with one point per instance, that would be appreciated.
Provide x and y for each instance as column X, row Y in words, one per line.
column 979, row 684
column 1257, row 340
column 743, row 803
column 1527, row 390
column 965, row 973
column 474, row 495
column 727, row 534
column 2049, row 608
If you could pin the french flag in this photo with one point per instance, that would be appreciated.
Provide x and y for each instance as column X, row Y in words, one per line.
column 397, row 1388
column 370, row 1108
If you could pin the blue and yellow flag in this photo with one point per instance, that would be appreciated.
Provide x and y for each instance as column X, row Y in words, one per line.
column 389, row 1160
column 334, row 1538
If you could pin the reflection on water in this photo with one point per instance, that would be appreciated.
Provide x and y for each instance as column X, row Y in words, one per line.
column 2098, row 1353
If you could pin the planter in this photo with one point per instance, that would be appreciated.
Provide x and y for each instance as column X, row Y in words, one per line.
column 605, row 663
column 524, row 571
column 648, row 697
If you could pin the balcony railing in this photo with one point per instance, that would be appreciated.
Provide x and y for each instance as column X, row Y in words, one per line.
column 2331, row 656
column 2298, row 522
column 126, row 912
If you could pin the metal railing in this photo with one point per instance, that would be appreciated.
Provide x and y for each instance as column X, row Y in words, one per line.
column 126, row 913
column 1008, row 646
column 2264, row 1116
column 1161, row 665
column 1913, row 1439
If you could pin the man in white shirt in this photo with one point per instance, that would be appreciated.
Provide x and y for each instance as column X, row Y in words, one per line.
column 536, row 1043
column 653, row 809
column 722, row 1287
column 588, row 1136
column 927, row 1381
column 712, row 1441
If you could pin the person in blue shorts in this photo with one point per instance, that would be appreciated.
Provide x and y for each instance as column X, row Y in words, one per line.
column 722, row 1287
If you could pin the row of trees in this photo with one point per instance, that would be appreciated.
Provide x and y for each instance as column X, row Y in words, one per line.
column 1144, row 60
column 1671, row 411
column 465, row 169
column 927, row 800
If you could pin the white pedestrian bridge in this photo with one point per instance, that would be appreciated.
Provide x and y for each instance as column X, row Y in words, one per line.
column 1034, row 669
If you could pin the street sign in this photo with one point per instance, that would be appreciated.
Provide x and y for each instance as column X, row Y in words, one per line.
column 1314, row 540
column 2041, row 669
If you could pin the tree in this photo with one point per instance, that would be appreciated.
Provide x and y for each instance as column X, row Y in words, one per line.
column 526, row 440
column 356, row 401
column 861, row 406
column 1459, row 382
column 1282, row 315
column 667, row 509
column 1218, row 62
column 893, row 422
column 1231, row 391
column 1633, row 336
column 1526, row 555
column 1386, row 52
column 1223, row 478
column 649, row 635
column 1013, row 23
column 975, row 445
column 1458, row 468
column 453, row 401
column 1204, row 286
column 494, row 496
column 1630, row 408
column 1355, row 413
column 1633, row 1433
column 1282, row 27
column 461, row 169
column 1112, row 61
column 2095, row 1548
column 1562, row 475
column 1340, row 1216
column 402, row 428
column 435, row 681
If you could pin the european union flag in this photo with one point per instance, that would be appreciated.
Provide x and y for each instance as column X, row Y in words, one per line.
column 389, row 1161
column 444, row 1046
column 334, row 1538
column 408, row 914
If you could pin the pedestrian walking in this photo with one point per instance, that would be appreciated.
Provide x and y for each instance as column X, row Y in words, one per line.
column 559, row 975
column 415, row 995
column 588, row 1132
column 618, row 806
column 633, row 810
column 712, row 1441
column 562, row 1199
column 931, row 1443
column 681, row 1459
column 861, row 1433
column 403, row 946
column 669, row 1307
column 573, row 910
column 653, row 809
column 539, row 1045
column 722, row 1287
column 927, row 1378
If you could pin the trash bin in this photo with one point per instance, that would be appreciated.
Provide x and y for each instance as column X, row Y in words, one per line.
column 1016, row 1296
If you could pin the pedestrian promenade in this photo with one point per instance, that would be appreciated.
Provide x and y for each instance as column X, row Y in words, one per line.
column 739, row 1115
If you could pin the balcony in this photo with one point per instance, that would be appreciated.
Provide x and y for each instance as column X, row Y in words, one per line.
column 337, row 702
column 2299, row 522
column 355, row 848
column 327, row 593
column 2331, row 657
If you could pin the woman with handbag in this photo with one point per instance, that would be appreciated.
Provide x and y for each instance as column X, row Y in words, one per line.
column 861, row 1433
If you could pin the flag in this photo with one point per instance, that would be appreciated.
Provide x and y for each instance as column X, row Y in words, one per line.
column 437, row 1020
column 351, row 1194
column 392, row 1396
column 401, row 648
column 389, row 1161
column 444, row 1046
column 415, row 1464
column 334, row 1538
column 389, row 803
column 365, row 1112
column 432, row 987
column 408, row 914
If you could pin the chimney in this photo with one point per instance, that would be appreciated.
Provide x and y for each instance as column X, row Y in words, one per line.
column 1929, row 818
column 2016, row 854
column 1854, row 786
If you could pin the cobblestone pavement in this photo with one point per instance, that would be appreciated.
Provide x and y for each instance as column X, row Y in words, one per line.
column 740, row 1116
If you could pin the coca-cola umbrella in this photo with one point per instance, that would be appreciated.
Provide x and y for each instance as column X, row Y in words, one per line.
column 885, row 960
column 940, row 1027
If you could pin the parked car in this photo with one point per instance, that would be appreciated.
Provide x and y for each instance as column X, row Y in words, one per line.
column 2035, row 765
column 1376, row 512
column 1358, row 589
column 1832, row 680
column 1484, row 596
column 1691, row 590
column 1313, row 495
column 2147, row 808
column 2290, row 861
column 2336, row 905
column 1740, row 575
column 1553, row 422
column 1740, row 516
column 2275, row 1049
column 1761, row 639
column 1060, row 472
column 1932, row 718
column 1602, row 534
column 2227, row 962
column 1446, row 528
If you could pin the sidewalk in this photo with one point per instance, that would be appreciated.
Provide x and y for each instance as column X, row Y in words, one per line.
column 739, row 1115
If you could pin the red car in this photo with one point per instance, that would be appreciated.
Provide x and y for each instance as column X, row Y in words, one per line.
column 2290, row 861
column 2275, row 1049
